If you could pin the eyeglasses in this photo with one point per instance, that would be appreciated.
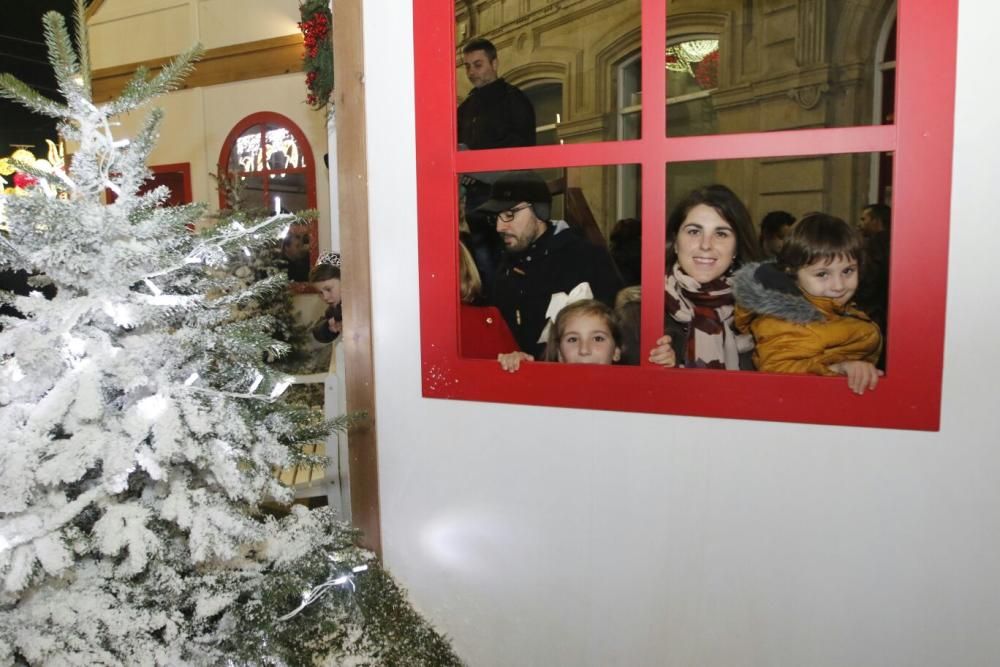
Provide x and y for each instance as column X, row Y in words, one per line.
column 508, row 215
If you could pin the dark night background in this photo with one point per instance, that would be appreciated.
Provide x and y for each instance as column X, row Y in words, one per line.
column 23, row 54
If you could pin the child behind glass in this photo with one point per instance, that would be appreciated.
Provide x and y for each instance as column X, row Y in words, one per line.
column 584, row 332
column 325, row 278
column 799, row 308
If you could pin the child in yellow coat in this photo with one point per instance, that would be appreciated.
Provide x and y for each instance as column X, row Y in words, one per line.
column 799, row 307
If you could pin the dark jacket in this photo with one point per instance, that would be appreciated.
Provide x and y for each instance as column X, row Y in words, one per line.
column 498, row 115
column 555, row 262
column 321, row 330
column 873, row 291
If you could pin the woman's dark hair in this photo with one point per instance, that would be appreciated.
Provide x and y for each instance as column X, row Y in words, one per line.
column 725, row 202
column 322, row 272
column 820, row 237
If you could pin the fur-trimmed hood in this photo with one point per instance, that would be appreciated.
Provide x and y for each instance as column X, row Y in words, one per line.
column 763, row 289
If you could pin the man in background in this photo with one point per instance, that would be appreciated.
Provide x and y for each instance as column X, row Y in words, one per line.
column 541, row 258
column 873, row 290
column 495, row 114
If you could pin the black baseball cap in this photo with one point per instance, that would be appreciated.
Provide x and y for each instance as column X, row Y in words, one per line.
column 513, row 188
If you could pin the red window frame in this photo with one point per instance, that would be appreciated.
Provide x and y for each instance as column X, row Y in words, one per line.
column 908, row 397
column 177, row 196
column 263, row 118
column 183, row 169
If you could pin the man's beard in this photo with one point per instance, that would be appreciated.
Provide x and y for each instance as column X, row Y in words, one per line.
column 519, row 245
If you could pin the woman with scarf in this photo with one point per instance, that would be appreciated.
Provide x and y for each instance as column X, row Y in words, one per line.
column 709, row 234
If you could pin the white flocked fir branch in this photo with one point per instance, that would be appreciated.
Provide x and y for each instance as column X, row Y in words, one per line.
column 141, row 427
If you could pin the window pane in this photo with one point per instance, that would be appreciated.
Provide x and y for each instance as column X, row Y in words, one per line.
column 579, row 50
column 631, row 124
column 783, row 189
column 252, row 193
column 515, row 257
column 693, row 116
column 290, row 189
column 630, row 82
column 546, row 137
column 547, row 100
column 246, row 154
column 692, row 67
column 776, row 66
column 282, row 149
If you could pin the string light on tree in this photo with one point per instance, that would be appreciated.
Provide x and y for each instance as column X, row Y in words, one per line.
column 143, row 428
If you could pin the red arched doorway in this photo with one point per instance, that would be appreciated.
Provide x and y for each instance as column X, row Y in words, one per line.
column 273, row 162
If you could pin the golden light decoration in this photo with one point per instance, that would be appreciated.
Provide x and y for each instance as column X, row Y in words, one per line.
column 23, row 156
column 10, row 165
column 57, row 155
column 681, row 56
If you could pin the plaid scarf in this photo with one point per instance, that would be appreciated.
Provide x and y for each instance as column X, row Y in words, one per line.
column 712, row 342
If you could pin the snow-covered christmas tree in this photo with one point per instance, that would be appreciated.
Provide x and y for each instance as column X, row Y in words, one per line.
column 142, row 429
column 304, row 356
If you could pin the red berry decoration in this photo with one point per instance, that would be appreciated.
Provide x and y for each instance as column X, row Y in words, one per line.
column 317, row 56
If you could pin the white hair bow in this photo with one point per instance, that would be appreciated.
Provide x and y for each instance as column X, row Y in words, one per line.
column 559, row 301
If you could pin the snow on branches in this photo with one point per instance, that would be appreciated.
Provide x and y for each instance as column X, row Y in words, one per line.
column 143, row 426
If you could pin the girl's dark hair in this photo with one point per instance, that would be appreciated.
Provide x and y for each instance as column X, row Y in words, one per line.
column 820, row 237
column 583, row 307
column 322, row 272
column 726, row 204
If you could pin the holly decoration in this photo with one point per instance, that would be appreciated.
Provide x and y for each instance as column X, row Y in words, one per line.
column 24, row 181
column 707, row 71
column 317, row 59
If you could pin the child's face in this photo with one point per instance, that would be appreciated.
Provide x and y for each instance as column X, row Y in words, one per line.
column 586, row 339
column 706, row 244
column 837, row 279
column 329, row 291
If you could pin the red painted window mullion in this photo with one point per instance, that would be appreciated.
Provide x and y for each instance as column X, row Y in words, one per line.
column 653, row 171
column 654, row 78
column 920, row 202
column 264, row 189
column 437, row 192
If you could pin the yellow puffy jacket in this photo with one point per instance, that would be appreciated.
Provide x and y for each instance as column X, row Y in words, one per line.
column 795, row 332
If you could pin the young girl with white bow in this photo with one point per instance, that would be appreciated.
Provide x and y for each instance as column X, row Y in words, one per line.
column 583, row 331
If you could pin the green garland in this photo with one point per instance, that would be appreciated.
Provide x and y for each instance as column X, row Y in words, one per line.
column 317, row 60
column 367, row 622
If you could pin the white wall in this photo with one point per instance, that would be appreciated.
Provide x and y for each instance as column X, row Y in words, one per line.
column 558, row 537
column 130, row 31
column 197, row 121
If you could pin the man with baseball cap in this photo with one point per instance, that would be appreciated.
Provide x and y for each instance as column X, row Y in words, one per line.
column 541, row 258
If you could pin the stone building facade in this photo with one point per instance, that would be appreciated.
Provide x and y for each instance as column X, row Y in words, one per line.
column 733, row 66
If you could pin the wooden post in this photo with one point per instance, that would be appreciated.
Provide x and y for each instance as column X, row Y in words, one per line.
column 352, row 175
